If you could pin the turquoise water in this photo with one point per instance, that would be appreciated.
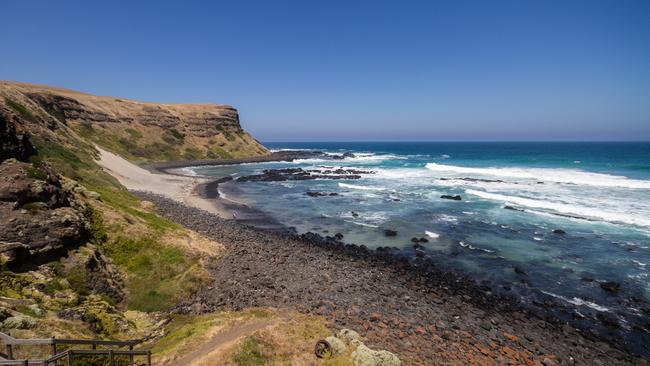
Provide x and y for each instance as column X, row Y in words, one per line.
column 598, row 193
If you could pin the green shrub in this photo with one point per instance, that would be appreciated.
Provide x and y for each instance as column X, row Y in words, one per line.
column 177, row 134
column 157, row 275
column 250, row 352
column 35, row 173
column 135, row 134
column 192, row 154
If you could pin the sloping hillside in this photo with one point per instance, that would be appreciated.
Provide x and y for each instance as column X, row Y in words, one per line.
column 139, row 131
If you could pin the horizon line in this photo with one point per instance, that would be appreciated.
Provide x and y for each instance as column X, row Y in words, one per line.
column 454, row 141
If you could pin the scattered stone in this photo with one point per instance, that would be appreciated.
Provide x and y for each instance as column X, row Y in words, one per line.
column 559, row 232
column 358, row 282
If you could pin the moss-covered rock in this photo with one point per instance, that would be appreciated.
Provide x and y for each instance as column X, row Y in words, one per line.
column 101, row 317
column 19, row 322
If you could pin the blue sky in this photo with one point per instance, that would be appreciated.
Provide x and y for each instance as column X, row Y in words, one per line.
column 355, row 70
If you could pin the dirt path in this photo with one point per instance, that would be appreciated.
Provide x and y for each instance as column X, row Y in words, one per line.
column 210, row 351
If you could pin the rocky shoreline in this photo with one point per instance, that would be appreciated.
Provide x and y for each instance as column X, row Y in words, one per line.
column 408, row 306
column 291, row 155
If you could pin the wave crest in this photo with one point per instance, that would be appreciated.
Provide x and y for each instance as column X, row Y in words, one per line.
column 560, row 175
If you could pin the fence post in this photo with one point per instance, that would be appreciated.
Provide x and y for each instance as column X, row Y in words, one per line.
column 131, row 356
column 111, row 360
column 53, row 347
column 70, row 353
column 148, row 358
column 10, row 352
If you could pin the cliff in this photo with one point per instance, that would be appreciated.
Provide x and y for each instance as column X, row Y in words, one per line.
column 140, row 131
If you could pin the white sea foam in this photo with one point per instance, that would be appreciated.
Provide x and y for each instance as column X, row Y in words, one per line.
column 566, row 176
column 447, row 218
column 277, row 150
column 578, row 302
column 470, row 246
column 362, row 223
column 432, row 235
column 357, row 158
column 366, row 157
column 591, row 213
column 189, row 171
column 641, row 264
column 365, row 188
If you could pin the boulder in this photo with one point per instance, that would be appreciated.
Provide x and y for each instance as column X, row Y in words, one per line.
column 611, row 287
column 455, row 197
column 389, row 232
column 19, row 322
column 364, row 356
column 39, row 218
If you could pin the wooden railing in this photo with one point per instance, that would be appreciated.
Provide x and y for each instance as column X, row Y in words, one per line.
column 68, row 354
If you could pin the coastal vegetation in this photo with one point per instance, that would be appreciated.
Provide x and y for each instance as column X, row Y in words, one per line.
column 132, row 266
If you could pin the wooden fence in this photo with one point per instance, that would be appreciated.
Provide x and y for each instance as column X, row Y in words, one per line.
column 117, row 348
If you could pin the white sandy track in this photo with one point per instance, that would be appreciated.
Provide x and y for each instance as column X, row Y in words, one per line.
column 178, row 188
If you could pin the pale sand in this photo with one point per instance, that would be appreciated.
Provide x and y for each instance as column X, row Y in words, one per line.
column 178, row 188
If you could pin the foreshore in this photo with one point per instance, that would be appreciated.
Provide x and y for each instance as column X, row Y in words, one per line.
column 411, row 307
column 425, row 315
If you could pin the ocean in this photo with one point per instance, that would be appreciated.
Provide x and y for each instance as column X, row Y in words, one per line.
column 562, row 222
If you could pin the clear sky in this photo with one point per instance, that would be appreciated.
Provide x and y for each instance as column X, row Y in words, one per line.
column 355, row 70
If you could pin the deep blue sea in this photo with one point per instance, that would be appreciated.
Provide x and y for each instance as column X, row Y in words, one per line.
column 597, row 193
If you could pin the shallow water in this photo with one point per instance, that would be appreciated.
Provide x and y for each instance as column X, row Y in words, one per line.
column 598, row 193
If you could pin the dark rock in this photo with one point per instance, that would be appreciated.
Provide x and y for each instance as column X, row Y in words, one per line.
column 611, row 287
column 338, row 236
column 343, row 156
column 14, row 140
column 520, row 271
column 287, row 174
column 320, row 194
column 39, row 219
column 512, row 208
column 559, row 232
column 389, row 232
column 456, row 197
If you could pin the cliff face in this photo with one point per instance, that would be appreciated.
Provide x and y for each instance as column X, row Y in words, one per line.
column 137, row 130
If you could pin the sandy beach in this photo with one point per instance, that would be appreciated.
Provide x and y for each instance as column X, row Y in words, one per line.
column 180, row 188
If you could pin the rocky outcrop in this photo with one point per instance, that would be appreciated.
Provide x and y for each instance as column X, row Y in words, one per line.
column 202, row 120
column 14, row 141
column 136, row 130
column 280, row 175
column 37, row 220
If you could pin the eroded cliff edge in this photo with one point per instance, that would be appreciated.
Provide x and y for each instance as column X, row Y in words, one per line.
column 139, row 131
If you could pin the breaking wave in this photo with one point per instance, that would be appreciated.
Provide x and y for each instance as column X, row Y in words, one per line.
column 563, row 209
column 565, row 176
